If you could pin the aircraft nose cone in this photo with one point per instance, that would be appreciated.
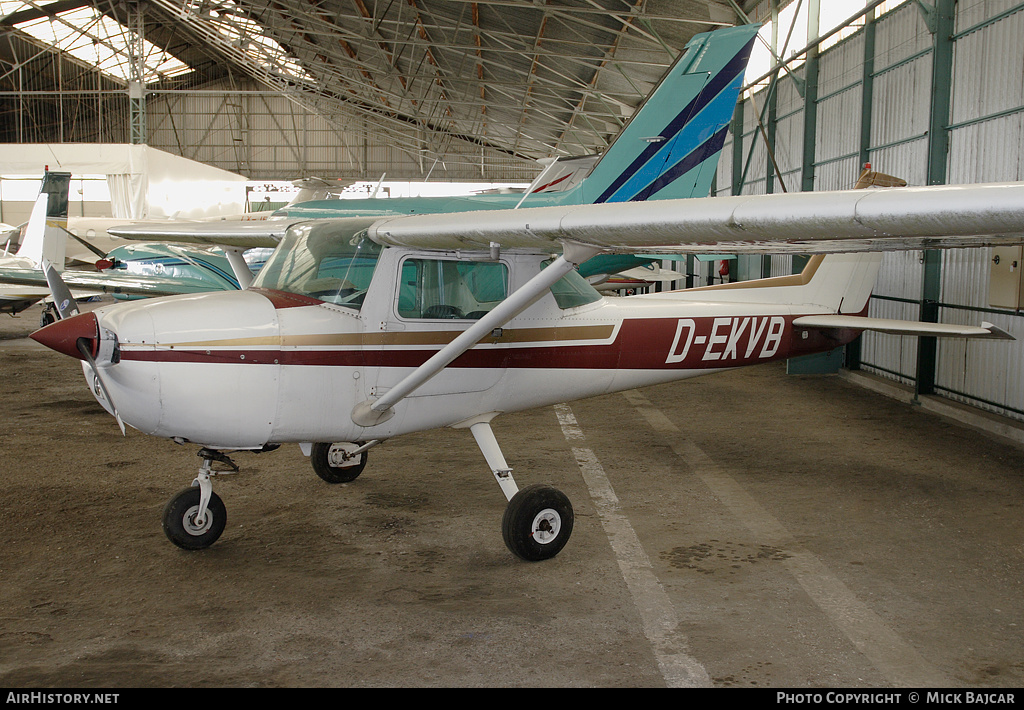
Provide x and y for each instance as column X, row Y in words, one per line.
column 63, row 335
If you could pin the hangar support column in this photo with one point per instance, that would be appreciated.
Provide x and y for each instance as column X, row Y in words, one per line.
column 940, row 21
column 137, row 75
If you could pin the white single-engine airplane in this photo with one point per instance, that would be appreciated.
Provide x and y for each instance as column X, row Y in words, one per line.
column 358, row 330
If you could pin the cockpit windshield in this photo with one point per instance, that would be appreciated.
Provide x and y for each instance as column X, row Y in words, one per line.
column 332, row 261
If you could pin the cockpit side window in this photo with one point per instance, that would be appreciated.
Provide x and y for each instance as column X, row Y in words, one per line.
column 439, row 288
column 322, row 261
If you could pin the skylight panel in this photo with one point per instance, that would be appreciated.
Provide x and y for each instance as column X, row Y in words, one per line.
column 98, row 40
column 247, row 35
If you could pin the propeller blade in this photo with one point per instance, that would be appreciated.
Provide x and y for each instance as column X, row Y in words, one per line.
column 62, row 298
column 83, row 347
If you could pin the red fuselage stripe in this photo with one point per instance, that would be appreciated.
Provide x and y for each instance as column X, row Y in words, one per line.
column 663, row 343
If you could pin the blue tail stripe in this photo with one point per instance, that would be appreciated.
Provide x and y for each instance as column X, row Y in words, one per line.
column 735, row 67
column 691, row 137
column 697, row 157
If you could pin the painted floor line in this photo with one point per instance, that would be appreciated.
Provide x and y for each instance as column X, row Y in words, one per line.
column 893, row 657
column 658, row 616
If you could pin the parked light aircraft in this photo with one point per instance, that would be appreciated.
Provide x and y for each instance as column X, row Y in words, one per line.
column 361, row 329
column 668, row 149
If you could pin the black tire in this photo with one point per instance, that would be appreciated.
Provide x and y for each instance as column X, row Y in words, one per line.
column 537, row 523
column 320, row 457
column 179, row 514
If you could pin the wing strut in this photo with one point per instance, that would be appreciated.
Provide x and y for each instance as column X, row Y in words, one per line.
column 377, row 411
column 240, row 269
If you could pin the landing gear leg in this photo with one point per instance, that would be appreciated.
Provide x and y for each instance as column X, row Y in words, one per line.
column 538, row 519
column 49, row 315
column 195, row 518
column 341, row 462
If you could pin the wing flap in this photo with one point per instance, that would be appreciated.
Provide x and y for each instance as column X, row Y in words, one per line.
column 904, row 327
column 804, row 223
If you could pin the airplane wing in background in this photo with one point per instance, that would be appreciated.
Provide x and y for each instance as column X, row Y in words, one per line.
column 90, row 283
column 243, row 235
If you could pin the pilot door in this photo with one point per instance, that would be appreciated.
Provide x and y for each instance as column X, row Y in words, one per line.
column 435, row 299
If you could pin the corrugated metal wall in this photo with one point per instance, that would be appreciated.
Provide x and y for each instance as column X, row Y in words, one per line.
column 986, row 145
column 986, row 132
column 264, row 135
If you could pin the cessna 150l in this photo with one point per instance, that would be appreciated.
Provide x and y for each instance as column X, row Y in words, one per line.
column 361, row 329
column 358, row 330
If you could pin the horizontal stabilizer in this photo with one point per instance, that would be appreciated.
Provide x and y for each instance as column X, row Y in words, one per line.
column 904, row 327
column 641, row 273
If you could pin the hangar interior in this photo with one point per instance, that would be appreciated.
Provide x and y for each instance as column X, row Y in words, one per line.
column 479, row 90
column 752, row 529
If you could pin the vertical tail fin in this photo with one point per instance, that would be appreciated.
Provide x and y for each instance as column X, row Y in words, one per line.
column 670, row 148
column 44, row 237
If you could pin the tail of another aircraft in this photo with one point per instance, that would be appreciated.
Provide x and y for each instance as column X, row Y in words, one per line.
column 670, row 148
column 50, row 213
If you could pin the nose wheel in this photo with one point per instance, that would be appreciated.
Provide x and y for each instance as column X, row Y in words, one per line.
column 195, row 518
column 183, row 525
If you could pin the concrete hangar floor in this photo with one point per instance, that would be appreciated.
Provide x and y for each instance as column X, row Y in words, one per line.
column 749, row 529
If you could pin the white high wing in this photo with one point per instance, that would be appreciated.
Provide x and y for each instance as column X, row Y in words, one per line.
column 358, row 330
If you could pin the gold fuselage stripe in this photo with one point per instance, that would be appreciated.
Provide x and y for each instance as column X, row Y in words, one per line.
column 439, row 337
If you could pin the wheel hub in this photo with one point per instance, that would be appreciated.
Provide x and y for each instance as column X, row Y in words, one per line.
column 546, row 526
column 190, row 525
column 339, row 457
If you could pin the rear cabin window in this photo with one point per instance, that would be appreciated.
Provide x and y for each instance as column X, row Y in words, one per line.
column 436, row 288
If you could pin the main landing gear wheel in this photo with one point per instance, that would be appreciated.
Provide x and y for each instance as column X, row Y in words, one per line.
column 180, row 524
column 537, row 523
column 332, row 464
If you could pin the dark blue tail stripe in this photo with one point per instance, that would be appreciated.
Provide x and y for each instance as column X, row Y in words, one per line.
column 709, row 148
column 736, row 66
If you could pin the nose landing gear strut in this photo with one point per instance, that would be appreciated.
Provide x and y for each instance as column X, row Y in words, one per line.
column 195, row 518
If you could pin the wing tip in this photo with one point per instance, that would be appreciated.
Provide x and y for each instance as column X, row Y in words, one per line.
column 996, row 333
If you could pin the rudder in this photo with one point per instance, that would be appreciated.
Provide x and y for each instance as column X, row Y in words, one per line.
column 670, row 148
column 49, row 215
